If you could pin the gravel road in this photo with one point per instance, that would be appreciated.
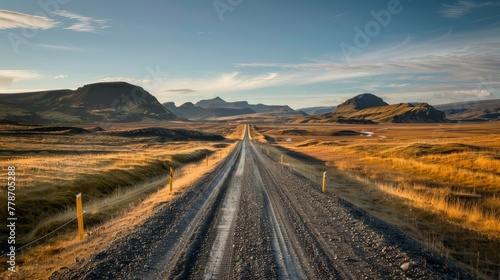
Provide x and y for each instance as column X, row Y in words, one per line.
column 253, row 218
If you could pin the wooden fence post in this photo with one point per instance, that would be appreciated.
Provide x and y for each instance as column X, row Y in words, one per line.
column 323, row 188
column 79, row 213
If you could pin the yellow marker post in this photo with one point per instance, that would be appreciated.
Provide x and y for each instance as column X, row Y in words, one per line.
column 281, row 159
column 171, row 178
column 79, row 213
column 323, row 188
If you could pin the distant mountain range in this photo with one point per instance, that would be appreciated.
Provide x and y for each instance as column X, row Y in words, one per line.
column 100, row 102
column 477, row 110
column 218, row 108
column 122, row 102
column 368, row 108
column 190, row 111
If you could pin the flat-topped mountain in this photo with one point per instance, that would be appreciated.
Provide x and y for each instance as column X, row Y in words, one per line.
column 369, row 108
column 99, row 102
column 211, row 103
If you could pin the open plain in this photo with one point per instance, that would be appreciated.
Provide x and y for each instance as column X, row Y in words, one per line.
column 121, row 171
column 439, row 183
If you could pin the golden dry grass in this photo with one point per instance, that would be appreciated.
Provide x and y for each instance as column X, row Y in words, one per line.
column 438, row 183
column 443, row 175
column 135, row 170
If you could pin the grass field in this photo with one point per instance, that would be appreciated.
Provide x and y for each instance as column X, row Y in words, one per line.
column 438, row 183
column 116, row 176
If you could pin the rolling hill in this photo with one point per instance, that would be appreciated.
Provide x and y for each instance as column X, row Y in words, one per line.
column 99, row 102
column 368, row 108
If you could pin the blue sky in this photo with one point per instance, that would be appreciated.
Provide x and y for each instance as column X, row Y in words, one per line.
column 300, row 53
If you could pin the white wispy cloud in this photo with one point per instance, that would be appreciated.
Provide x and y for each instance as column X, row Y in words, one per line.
column 453, row 65
column 224, row 82
column 57, row 47
column 7, row 77
column 130, row 80
column 221, row 82
column 458, row 64
column 450, row 70
column 10, row 19
column 339, row 15
column 60, row 76
column 460, row 8
column 83, row 23
column 234, row 82
column 465, row 94
column 242, row 82
column 180, row 90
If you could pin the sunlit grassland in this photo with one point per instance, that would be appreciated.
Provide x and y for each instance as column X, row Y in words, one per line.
column 459, row 175
column 112, row 173
column 460, row 180
column 429, row 180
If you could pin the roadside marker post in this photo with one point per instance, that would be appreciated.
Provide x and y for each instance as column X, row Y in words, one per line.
column 323, row 188
column 171, row 178
column 281, row 159
column 79, row 213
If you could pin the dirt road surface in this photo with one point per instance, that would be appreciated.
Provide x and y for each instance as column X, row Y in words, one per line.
column 253, row 218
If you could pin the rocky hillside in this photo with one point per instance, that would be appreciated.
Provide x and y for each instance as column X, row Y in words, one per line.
column 100, row 102
column 368, row 108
